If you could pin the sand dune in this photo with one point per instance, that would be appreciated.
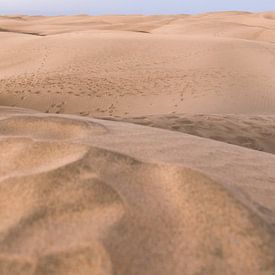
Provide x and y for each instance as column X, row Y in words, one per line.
column 107, row 202
column 244, row 25
column 99, row 193
column 211, row 63
column 254, row 132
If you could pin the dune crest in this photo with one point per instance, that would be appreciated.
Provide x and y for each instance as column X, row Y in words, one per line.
column 86, row 190
column 75, row 205
column 215, row 63
column 250, row 131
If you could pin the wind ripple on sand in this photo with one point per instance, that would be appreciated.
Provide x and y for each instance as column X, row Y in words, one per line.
column 251, row 131
column 68, row 206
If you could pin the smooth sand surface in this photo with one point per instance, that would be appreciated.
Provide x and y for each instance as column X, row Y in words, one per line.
column 103, row 66
column 251, row 131
column 85, row 190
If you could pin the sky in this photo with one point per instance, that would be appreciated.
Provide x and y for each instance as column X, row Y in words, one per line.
column 58, row 7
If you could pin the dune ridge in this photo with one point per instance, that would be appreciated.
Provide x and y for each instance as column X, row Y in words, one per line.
column 250, row 131
column 208, row 63
column 67, row 213
column 85, row 189
column 243, row 25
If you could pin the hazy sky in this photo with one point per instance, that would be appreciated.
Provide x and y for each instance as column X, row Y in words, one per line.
column 52, row 7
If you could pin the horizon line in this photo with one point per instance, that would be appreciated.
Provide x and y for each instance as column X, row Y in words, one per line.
column 134, row 14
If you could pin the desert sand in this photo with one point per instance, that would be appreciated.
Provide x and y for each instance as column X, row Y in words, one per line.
column 86, row 190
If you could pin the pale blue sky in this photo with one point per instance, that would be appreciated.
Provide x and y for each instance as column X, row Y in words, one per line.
column 53, row 7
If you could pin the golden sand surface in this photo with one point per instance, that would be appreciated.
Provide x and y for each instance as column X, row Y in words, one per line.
column 86, row 190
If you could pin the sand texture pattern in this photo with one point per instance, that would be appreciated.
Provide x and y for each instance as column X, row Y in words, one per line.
column 103, row 66
column 137, row 145
column 251, row 131
column 91, row 196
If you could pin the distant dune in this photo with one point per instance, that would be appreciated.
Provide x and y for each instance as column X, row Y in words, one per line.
column 212, row 63
column 85, row 190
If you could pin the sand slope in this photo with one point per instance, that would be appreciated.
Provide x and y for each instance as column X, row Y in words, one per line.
column 254, row 132
column 211, row 63
column 81, row 195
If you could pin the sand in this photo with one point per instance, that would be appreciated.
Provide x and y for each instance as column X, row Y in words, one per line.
column 86, row 190
column 251, row 131
column 103, row 66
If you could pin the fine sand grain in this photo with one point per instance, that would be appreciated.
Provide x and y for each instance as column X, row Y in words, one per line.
column 86, row 190
column 118, row 198
column 252, row 131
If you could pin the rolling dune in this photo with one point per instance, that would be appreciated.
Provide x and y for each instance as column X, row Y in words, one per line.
column 130, row 199
column 254, row 132
column 212, row 64
column 86, row 190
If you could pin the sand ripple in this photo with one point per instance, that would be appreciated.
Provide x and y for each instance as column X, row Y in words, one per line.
column 71, row 206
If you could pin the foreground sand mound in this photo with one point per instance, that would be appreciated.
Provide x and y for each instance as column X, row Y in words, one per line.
column 254, row 132
column 129, row 199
